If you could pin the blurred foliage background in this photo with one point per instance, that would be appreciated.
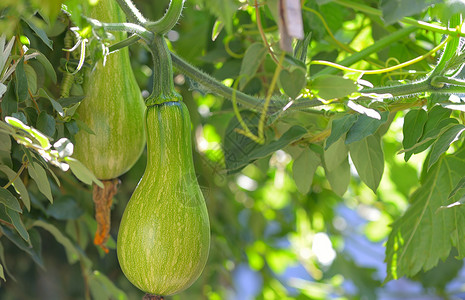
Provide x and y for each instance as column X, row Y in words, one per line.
column 280, row 228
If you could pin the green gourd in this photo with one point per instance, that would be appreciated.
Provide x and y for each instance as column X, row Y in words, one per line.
column 164, row 235
column 113, row 108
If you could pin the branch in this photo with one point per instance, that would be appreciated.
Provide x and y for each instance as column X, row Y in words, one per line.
column 169, row 19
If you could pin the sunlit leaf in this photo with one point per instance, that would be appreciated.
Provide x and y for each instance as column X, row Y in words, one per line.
column 81, row 172
column 368, row 158
column 425, row 233
column 18, row 185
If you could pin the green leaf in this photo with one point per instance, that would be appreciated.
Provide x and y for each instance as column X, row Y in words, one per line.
column 239, row 160
column 335, row 155
column 47, row 66
column 426, row 233
column 56, row 106
column 21, row 81
column 339, row 127
column 7, row 199
column 3, row 261
column 441, row 275
column 301, row 48
column 37, row 135
column 224, row 10
column 17, row 223
column 72, row 252
column 443, row 142
column 9, row 101
column 427, row 139
column 3, row 89
column 40, row 177
column 394, row 10
column 40, row 33
column 31, row 76
column 339, row 177
column 292, row 82
column 414, row 122
column 331, row 86
column 304, row 168
column 460, row 185
column 46, row 124
column 65, row 208
column 81, row 172
column 368, row 158
column 34, row 251
column 365, row 126
column 18, row 185
column 2, row 275
column 103, row 288
column 5, row 141
column 252, row 59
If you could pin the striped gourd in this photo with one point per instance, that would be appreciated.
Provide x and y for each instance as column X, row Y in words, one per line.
column 164, row 235
column 113, row 108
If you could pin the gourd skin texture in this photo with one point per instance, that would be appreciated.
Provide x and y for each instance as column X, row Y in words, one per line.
column 113, row 109
column 164, row 235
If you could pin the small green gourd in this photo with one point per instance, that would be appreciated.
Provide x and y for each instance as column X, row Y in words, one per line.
column 164, row 235
column 113, row 108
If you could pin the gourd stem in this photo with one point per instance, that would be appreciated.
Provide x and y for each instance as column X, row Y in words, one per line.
column 127, row 27
column 215, row 87
column 169, row 19
column 131, row 12
column 124, row 43
column 163, row 83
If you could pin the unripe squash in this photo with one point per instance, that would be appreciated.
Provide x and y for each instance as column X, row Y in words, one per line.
column 113, row 108
column 164, row 235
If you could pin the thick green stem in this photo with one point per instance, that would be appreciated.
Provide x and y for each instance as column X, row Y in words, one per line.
column 132, row 13
column 220, row 89
column 400, row 90
column 163, row 82
column 167, row 22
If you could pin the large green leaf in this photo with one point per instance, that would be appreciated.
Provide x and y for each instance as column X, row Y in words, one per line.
column 427, row 230
column 368, row 158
